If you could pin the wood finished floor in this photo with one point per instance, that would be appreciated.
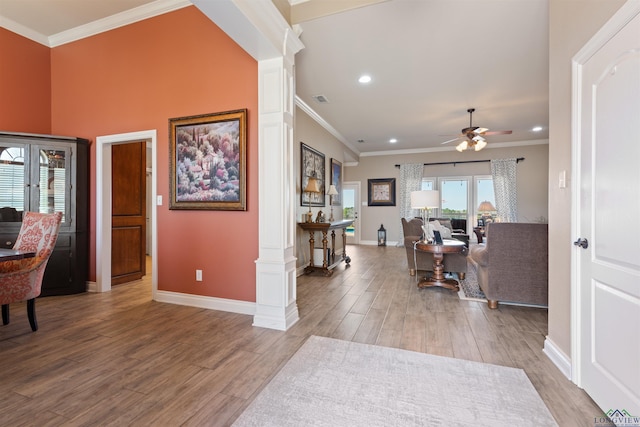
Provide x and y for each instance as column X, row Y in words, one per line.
column 120, row 358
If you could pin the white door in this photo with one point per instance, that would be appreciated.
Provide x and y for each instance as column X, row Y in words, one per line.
column 350, row 209
column 607, row 208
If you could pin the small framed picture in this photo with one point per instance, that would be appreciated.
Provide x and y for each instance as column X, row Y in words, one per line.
column 382, row 192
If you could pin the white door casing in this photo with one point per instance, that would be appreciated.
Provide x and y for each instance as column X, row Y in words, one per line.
column 353, row 186
column 606, row 208
column 103, row 207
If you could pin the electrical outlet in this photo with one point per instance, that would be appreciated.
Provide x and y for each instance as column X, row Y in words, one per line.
column 198, row 275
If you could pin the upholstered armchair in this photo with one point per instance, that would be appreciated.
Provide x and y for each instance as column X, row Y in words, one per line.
column 21, row 280
column 513, row 265
column 453, row 263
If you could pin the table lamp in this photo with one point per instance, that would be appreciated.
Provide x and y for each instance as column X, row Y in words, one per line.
column 425, row 200
column 485, row 207
column 312, row 187
column 333, row 191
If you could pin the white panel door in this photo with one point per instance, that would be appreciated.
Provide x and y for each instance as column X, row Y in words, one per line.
column 608, row 217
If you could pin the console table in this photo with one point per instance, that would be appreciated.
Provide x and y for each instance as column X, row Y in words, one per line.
column 329, row 261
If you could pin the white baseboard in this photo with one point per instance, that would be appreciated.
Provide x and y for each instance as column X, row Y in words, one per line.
column 375, row 243
column 92, row 287
column 557, row 356
column 211, row 303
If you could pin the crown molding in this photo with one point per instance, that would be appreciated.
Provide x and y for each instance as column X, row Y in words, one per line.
column 23, row 31
column 322, row 122
column 490, row 146
column 140, row 13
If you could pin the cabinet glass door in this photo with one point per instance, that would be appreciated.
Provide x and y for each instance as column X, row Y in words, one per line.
column 53, row 181
column 13, row 191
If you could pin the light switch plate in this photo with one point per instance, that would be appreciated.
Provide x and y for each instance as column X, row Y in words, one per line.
column 562, row 179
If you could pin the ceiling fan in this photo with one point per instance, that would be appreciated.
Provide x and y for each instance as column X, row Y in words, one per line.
column 474, row 135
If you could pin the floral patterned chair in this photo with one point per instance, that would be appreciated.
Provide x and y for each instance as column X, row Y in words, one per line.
column 21, row 280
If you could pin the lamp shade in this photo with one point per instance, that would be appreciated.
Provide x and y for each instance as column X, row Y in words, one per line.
column 312, row 186
column 480, row 145
column 425, row 199
column 332, row 190
column 486, row 206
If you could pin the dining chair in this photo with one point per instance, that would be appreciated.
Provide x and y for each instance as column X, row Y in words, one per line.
column 21, row 280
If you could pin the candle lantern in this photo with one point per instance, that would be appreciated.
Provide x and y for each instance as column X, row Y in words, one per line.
column 382, row 236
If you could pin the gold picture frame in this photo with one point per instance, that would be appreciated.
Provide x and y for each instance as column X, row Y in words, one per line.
column 207, row 161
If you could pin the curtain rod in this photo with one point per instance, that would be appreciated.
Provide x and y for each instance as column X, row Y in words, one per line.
column 519, row 159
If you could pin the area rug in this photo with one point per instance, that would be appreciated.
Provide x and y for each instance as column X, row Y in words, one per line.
column 330, row 382
column 469, row 288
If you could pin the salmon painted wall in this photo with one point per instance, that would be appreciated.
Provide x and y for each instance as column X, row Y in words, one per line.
column 25, row 84
column 137, row 77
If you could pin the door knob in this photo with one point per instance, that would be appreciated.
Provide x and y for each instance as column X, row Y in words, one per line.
column 582, row 242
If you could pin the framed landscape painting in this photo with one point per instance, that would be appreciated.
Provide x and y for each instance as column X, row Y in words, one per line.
column 207, row 161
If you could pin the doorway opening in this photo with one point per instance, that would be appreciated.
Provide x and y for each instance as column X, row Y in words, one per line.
column 350, row 203
column 103, row 205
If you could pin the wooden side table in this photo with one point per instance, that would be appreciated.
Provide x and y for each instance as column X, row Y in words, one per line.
column 329, row 261
column 438, row 251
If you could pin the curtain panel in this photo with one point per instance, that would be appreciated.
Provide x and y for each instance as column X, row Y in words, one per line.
column 503, row 172
column 410, row 180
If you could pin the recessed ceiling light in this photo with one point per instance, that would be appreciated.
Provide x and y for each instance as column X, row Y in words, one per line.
column 393, row 140
column 537, row 129
column 365, row 79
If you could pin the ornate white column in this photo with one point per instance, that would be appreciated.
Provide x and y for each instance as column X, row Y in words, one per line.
column 259, row 28
column 276, row 306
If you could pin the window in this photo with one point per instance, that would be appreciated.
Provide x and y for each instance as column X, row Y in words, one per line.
column 428, row 183
column 459, row 199
column 454, row 195
column 483, row 192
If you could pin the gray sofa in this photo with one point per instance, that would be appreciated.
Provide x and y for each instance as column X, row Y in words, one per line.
column 453, row 263
column 513, row 264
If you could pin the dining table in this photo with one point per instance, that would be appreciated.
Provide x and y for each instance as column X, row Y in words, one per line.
column 12, row 254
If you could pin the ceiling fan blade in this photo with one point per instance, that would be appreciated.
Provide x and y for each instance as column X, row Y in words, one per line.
column 499, row 132
column 480, row 130
column 451, row 140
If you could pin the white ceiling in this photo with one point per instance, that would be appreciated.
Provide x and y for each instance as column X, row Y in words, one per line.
column 430, row 60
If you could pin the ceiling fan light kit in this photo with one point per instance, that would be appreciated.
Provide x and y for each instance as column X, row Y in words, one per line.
column 480, row 145
column 475, row 135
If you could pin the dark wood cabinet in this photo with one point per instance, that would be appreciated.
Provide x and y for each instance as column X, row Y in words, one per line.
column 44, row 173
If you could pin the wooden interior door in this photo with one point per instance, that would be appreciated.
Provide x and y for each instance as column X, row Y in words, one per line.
column 128, row 212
